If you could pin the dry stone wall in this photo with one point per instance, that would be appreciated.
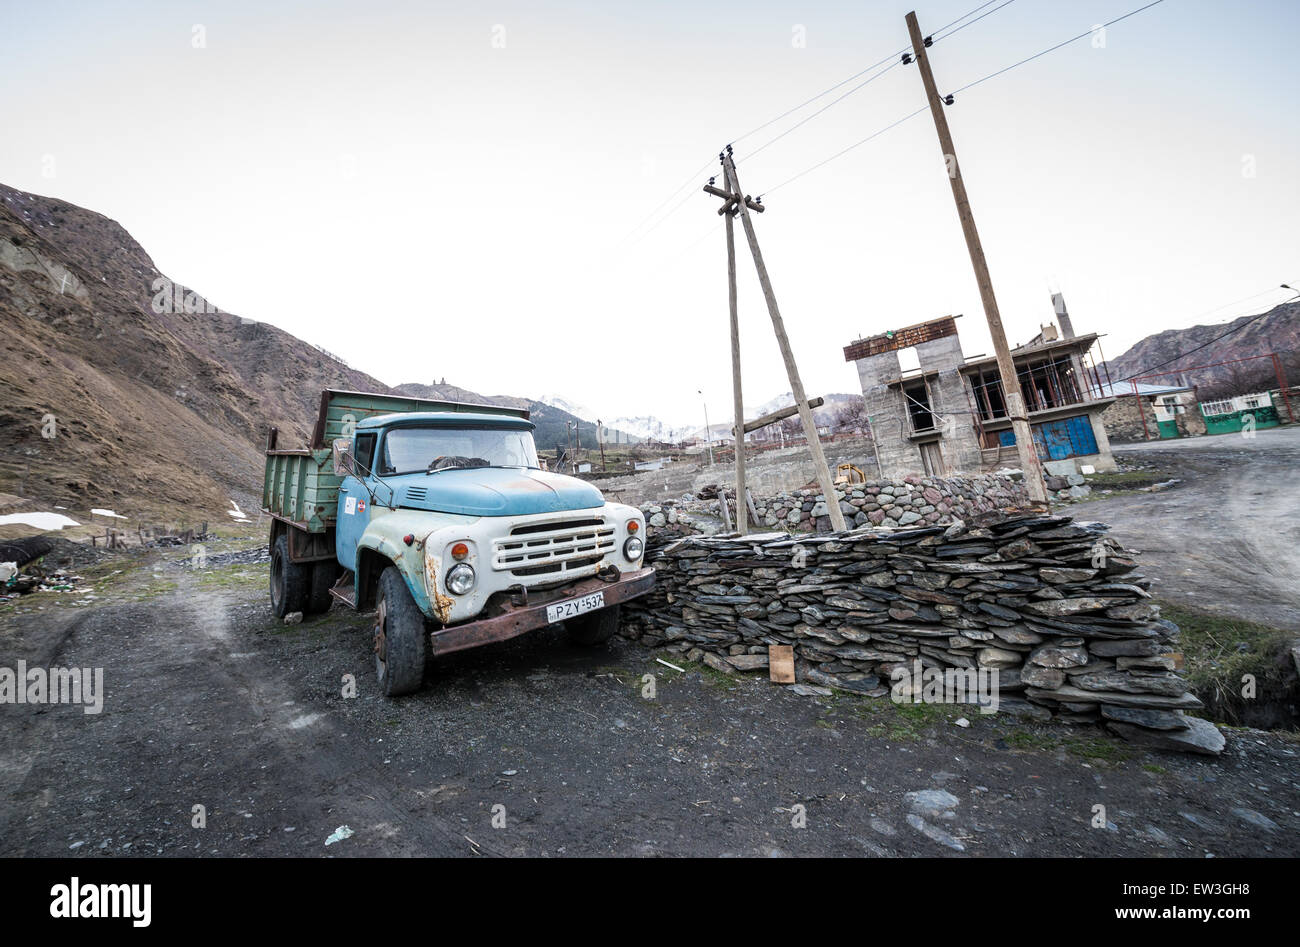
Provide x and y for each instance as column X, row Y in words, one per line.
column 1055, row 607
column 922, row 501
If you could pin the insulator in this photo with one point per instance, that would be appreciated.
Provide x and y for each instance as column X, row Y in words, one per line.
column 928, row 42
column 907, row 59
column 948, row 100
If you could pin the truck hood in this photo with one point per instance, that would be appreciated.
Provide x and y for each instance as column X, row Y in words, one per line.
column 491, row 491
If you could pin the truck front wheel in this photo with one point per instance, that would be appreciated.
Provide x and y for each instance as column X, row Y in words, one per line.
column 594, row 627
column 400, row 639
column 290, row 581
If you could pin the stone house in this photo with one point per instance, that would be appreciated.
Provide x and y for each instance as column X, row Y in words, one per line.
column 948, row 416
column 1151, row 411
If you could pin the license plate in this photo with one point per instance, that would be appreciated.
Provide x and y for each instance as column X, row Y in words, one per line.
column 574, row 607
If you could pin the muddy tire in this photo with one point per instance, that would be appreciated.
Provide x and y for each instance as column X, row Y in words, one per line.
column 401, row 642
column 594, row 627
column 323, row 576
column 290, row 581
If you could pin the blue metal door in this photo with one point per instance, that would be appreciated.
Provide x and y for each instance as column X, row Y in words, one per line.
column 1069, row 437
column 1057, row 440
column 353, row 518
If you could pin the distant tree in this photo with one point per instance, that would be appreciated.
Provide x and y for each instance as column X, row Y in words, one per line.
column 851, row 417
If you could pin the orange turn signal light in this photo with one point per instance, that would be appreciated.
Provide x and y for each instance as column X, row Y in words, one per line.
column 459, row 551
column 633, row 526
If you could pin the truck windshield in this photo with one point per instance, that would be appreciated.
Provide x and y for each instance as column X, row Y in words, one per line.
column 412, row 449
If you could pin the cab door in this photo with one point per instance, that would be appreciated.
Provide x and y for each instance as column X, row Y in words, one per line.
column 354, row 500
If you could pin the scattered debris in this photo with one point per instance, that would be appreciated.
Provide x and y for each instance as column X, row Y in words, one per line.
column 339, row 834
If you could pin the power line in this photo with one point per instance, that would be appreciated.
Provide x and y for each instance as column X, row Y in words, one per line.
column 832, row 103
column 677, row 190
column 1182, row 355
column 990, row 3
column 822, row 94
column 788, row 112
column 845, row 151
column 1050, row 49
column 937, row 37
column 967, row 86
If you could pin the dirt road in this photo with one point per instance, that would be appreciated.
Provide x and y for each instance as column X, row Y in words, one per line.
column 1226, row 539
column 210, row 702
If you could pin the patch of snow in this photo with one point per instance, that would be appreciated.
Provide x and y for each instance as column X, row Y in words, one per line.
column 108, row 513
column 39, row 520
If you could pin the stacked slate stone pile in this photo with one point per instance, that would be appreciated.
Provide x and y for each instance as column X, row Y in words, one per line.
column 1056, row 607
column 913, row 500
column 921, row 501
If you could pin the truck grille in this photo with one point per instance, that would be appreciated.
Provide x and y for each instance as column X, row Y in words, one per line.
column 553, row 547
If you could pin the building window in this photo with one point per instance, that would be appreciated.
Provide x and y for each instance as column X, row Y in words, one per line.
column 919, row 412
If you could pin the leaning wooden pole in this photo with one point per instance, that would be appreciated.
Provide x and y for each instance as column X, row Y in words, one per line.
column 1015, row 400
column 742, row 517
column 792, row 370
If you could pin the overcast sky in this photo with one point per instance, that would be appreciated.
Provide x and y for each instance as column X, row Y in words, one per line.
column 458, row 190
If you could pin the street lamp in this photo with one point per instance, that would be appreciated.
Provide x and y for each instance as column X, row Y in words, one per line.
column 708, row 434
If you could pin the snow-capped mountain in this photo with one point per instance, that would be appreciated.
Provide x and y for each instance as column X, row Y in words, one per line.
column 653, row 429
column 577, row 410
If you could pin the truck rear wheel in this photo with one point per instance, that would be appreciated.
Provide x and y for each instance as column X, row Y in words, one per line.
column 594, row 627
column 401, row 643
column 323, row 576
column 290, row 581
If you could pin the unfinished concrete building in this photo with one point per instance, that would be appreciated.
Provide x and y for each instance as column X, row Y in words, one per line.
column 948, row 416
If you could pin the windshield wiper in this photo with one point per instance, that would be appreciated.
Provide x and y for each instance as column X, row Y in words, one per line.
column 482, row 467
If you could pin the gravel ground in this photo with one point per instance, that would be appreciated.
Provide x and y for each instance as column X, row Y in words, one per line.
column 210, row 702
column 1226, row 538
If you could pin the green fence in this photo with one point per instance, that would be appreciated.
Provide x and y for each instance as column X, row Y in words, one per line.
column 1236, row 420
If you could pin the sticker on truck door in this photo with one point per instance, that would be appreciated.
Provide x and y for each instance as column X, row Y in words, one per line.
column 574, row 607
column 350, row 505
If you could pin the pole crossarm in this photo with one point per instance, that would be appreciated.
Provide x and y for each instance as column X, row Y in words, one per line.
column 780, row 415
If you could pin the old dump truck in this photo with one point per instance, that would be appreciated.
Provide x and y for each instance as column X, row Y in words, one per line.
column 436, row 516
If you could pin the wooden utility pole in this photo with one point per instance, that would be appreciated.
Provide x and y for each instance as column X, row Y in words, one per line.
column 778, row 326
column 728, row 211
column 1015, row 400
column 742, row 518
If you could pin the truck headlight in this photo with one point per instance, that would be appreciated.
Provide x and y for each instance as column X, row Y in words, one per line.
column 632, row 548
column 460, row 578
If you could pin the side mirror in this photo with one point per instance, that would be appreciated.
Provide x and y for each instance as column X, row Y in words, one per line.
column 342, row 455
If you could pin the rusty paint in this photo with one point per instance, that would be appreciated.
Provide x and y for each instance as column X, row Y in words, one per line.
column 441, row 605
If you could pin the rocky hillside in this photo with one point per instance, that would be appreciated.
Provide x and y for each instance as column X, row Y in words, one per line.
column 1277, row 330
column 121, row 391
column 115, row 393
column 552, row 422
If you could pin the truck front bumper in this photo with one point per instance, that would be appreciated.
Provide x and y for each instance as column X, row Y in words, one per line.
column 525, row 610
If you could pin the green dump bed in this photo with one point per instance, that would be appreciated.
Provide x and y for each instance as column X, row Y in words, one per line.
column 301, row 487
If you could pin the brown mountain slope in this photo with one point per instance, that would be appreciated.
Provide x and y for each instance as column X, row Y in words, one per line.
column 1277, row 330
column 150, row 409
